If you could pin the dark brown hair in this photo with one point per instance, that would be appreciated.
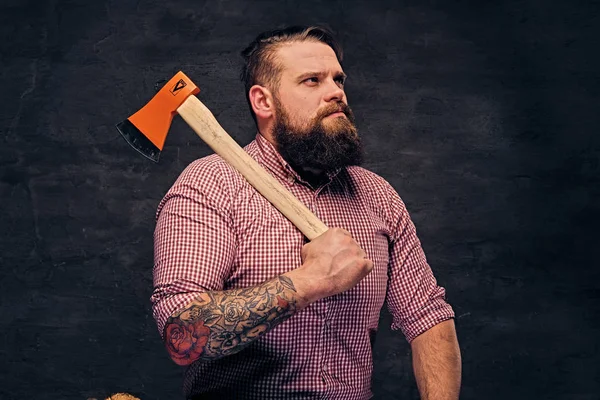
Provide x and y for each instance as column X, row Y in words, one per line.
column 261, row 67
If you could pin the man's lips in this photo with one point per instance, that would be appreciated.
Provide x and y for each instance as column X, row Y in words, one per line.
column 337, row 114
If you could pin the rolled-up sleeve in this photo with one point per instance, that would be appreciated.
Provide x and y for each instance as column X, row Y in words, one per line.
column 413, row 297
column 194, row 243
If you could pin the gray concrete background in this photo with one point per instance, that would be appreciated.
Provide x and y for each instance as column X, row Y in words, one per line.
column 483, row 115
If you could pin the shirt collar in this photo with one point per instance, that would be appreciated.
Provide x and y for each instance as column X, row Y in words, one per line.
column 278, row 166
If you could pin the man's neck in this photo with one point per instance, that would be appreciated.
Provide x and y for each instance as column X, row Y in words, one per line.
column 314, row 176
column 313, row 171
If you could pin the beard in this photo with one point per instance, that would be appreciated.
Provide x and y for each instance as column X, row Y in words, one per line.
column 323, row 145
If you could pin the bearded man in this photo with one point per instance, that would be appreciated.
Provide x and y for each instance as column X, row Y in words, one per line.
column 243, row 300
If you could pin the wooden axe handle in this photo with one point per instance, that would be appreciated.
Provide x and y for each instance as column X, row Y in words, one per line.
column 206, row 126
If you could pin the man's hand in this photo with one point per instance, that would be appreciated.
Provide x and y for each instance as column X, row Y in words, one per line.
column 331, row 264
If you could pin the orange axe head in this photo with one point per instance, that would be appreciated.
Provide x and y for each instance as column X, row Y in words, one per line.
column 147, row 129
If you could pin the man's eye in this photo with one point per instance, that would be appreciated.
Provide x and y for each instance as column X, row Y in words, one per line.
column 340, row 81
column 313, row 79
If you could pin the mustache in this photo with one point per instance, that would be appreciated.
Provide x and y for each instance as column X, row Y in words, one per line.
column 333, row 108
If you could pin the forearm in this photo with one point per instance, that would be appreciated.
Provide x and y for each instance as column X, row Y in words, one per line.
column 221, row 323
column 437, row 362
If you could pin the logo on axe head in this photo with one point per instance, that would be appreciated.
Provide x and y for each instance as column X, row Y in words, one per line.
column 178, row 86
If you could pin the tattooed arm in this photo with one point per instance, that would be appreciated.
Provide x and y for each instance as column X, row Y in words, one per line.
column 218, row 324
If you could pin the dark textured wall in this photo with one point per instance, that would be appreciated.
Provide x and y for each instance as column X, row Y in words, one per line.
column 483, row 115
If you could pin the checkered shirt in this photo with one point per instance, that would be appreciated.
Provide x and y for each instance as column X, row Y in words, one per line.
column 216, row 232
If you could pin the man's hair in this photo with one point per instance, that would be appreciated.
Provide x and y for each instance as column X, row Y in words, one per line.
column 260, row 64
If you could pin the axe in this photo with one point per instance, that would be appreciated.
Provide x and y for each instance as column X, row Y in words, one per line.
column 147, row 129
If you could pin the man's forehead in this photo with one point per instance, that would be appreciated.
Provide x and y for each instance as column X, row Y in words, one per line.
column 297, row 57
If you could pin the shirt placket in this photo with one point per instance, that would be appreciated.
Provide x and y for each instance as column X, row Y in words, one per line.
column 326, row 305
column 311, row 198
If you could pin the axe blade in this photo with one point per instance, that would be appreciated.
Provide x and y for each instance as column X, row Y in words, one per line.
column 138, row 140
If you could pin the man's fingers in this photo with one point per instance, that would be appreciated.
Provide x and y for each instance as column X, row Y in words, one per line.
column 342, row 231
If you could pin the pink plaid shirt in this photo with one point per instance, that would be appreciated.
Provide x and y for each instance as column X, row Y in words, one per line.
column 215, row 232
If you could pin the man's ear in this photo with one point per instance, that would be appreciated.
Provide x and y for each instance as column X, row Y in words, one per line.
column 262, row 103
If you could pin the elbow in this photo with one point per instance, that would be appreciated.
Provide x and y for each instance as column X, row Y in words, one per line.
column 186, row 343
column 182, row 361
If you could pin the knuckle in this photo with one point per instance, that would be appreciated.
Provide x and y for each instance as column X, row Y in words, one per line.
column 342, row 231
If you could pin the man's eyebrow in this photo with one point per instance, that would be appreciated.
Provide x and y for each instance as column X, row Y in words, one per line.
column 341, row 75
column 321, row 74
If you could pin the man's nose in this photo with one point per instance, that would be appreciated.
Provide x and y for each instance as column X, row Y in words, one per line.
column 334, row 91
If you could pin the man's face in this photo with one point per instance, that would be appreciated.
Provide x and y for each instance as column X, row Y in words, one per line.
column 314, row 126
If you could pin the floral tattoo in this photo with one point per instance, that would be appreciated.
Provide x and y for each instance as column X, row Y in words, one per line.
column 218, row 324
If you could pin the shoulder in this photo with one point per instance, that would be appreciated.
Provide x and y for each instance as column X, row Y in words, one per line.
column 377, row 191
column 364, row 176
column 371, row 182
column 208, row 180
column 207, row 171
column 213, row 171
